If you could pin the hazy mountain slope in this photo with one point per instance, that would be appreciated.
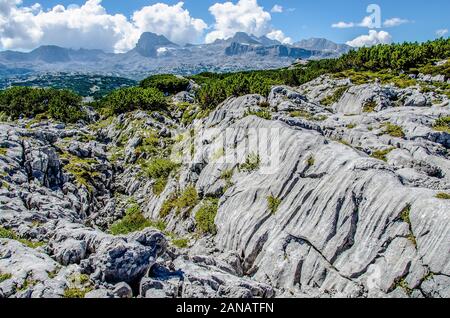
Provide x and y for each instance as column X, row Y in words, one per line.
column 156, row 54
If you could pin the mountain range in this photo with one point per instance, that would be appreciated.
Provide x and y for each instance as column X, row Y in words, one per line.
column 156, row 54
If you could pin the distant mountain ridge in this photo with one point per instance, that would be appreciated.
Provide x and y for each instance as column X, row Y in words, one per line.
column 155, row 53
column 320, row 44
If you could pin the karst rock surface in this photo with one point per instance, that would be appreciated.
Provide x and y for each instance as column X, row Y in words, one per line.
column 357, row 208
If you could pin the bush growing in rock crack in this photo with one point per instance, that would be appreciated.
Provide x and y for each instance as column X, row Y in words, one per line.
column 205, row 216
column 134, row 221
column 4, row 277
column 335, row 97
column 273, row 203
column 381, row 154
column 252, row 163
column 9, row 234
column 158, row 169
column 394, row 130
column 442, row 124
column 185, row 202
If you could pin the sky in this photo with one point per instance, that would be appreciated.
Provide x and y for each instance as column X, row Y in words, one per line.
column 115, row 25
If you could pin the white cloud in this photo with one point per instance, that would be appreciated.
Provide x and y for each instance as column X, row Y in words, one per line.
column 442, row 32
column 277, row 9
column 343, row 25
column 368, row 22
column 244, row 16
column 393, row 22
column 373, row 38
column 174, row 22
column 91, row 26
column 279, row 36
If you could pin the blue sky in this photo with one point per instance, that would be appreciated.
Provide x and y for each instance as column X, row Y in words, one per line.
column 416, row 20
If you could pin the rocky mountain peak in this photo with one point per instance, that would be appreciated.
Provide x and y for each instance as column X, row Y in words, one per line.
column 149, row 43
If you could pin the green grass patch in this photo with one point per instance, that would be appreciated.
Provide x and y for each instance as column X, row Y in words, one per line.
column 133, row 221
column 76, row 292
column 3, row 151
column 158, row 169
column 83, row 170
column 369, row 106
column 393, row 130
column 252, row 163
column 442, row 124
column 9, row 234
column 307, row 115
column 205, row 216
column 401, row 283
column 335, row 97
column 264, row 114
column 443, row 196
column 273, row 204
column 183, row 202
column 4, row 277
column 381, row 154
column 180, row 242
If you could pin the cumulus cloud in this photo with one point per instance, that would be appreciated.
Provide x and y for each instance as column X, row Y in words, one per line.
column 393, row 22
column 279, row 36
column 91, row 26
column 442, row 32
column 368, row 22
column 373, row 38
column 343, row 25
column 277, row 9
column 244, row 16
column 174, row 22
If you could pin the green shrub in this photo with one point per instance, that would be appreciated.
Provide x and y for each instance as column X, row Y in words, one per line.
column 188, row 199
column 404, row 214
column 351, row 126
column 311, row 161
column 9, row 234
column 369, row 106
column 394, row 130
column 76, row 292
column 4, row 116
column 158, row 169
column 252, row 163
column 133, row 221
column 335, row 97
column 4, row 276
column 129, row 99
column 62, row 105
column 307, row 115
column 264, row 114
column 185, row 202
column 442, row 124
column 403, row 284
column 273, row 204
column 205, row 216
column 180, row 242
column 443, row 196
column 381, row 154
column 166, row 83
